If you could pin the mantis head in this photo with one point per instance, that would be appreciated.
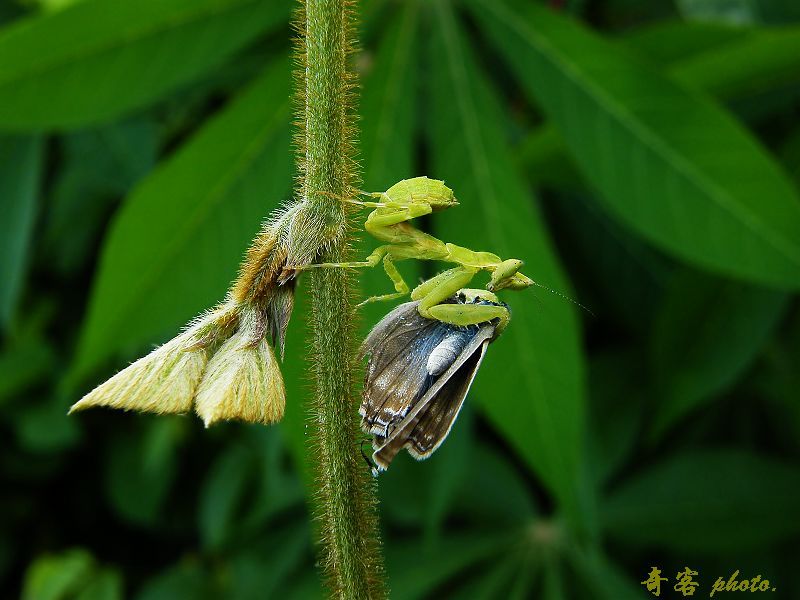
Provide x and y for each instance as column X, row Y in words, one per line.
column 507, row 276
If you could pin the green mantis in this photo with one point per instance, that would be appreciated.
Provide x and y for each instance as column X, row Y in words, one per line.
column 389, row 222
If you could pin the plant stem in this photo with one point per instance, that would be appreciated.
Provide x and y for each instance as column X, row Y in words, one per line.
column 346, row 502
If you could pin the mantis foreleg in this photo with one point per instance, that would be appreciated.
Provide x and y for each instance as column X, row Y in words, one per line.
column 434, row 291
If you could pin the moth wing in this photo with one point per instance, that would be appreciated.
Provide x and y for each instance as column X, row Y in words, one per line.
column 428, row 423
column 397, row 375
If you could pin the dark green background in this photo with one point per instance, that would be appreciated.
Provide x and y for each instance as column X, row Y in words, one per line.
column 641, row 157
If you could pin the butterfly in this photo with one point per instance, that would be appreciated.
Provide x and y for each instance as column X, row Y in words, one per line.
column 419, row 372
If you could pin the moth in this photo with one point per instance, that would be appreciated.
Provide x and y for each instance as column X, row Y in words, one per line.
column 418, row 374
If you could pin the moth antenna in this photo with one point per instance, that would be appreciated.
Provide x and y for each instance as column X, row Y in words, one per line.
column 564, row 296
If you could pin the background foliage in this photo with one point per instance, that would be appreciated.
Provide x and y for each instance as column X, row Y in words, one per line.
column 640, row 156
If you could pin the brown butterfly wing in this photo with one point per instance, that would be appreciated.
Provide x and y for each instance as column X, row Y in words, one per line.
column 429, row 422
column 397, row 377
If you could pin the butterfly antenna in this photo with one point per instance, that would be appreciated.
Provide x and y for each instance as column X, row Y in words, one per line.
column 564, row 296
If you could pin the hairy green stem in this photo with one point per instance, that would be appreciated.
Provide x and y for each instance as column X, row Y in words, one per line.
column 345, row 506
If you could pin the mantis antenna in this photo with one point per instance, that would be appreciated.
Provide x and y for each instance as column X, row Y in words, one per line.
column 564, row 296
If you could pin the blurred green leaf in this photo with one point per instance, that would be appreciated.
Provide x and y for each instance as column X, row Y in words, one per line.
column 295, row 377
column 222, row 495
column 740, row 12
column 306, row 585
column 707, row 502
column 98, row 166
column 141, row 467
column 99, row 59
column 746, row 66
column 416, row 573
column 21, row 161
column 388, row 112
column 277, row 486
column 260, row 570
column 247, row 484
column 603, row 580
column 24, row 365
column 493, row 482
column 492, row 581
column 104, row 585
column 53, row 577
column 422, row 494
column 707, row 333
column 670, row 165
column 618, row 403
column 175, row 244
column 666, row 42
column 553, row 581
column 186, row 580
column 600, row 251
column 42, row 425
column 765, row 60
column 388, row 105
column 531, row 383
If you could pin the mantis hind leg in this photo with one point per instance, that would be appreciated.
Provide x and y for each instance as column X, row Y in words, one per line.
column 400, row 284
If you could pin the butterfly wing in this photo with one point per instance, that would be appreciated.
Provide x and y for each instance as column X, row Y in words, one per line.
column 428, row 423
column 397, row 376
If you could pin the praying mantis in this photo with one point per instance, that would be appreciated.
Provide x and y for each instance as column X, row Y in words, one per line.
column 389, row 222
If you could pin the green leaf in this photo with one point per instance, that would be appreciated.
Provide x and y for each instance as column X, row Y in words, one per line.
column 423, row 494
column 603, row 580
column 223, row 494
column 739, row 12
column 99, row 166
column 247, row 485
column 670, row 165
column 667, row 42
column 186, row 580
column 493, row 482
column 104, row 585
column 141, row 467
column 617, row 407
column 602, row 252
column 707, row 501
column 175, row 244
column 708, row 332
column 42, row 425
column 388, row 107
column 733, row 69
column 531, row 383
column 388, row 112
column 24, row 365
column 295, row 377
column 20, row 171
column 99, row 59
column 416, row 573
column 261, row 569
column 53, row 577
column 765, row 60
